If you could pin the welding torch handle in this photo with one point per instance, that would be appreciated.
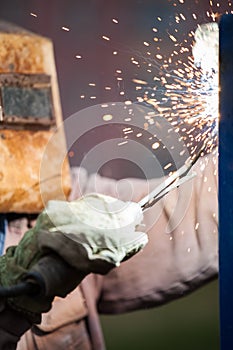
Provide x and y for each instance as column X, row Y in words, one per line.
column 49, row 277
column 22, row 288
column 55, row 276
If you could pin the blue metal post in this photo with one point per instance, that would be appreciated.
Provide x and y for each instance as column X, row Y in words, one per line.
column 2, row 232
column 226, row 182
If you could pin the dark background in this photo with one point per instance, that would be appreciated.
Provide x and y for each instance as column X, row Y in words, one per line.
column 191, row 322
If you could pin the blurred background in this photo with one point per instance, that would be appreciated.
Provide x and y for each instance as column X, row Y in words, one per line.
column 188, row 323
column 112, row 51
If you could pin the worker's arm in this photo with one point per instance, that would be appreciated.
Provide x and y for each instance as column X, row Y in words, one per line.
column 69, row 241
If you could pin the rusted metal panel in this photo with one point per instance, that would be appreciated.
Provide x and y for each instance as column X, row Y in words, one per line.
column 33, row 163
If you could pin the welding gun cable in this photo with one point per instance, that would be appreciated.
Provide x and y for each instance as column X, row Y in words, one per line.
column 22, row 288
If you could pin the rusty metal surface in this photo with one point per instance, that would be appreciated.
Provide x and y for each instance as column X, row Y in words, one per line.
column 33, row 164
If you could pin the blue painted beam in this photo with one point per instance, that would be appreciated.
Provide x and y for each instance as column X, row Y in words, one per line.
column 226, row 182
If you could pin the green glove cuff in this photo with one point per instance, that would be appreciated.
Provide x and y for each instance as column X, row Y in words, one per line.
column 14, row 266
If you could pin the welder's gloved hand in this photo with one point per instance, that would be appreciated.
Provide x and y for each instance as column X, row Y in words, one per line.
column 69, row 241
column 102, row 227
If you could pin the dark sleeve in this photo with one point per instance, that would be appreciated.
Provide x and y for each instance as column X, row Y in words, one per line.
column 12, row 326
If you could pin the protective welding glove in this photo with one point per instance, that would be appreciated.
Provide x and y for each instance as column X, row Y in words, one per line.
column 70, row 240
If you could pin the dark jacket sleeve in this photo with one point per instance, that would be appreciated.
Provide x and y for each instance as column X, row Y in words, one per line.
column 182, row 253
column 12, row 326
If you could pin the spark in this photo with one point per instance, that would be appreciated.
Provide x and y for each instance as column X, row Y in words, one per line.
column 177, row 86
column 182, row 16
column 172, row 37
column 107, row 117
column 186, row 93
column 66, row 29
column 122, row 143
column 138, row 81
column 167, row 166
column 128, row 132
column 33, row 14
column 155, row 145
column 105, row 37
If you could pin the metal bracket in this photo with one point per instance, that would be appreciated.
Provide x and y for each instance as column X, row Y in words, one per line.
column 26, row 99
